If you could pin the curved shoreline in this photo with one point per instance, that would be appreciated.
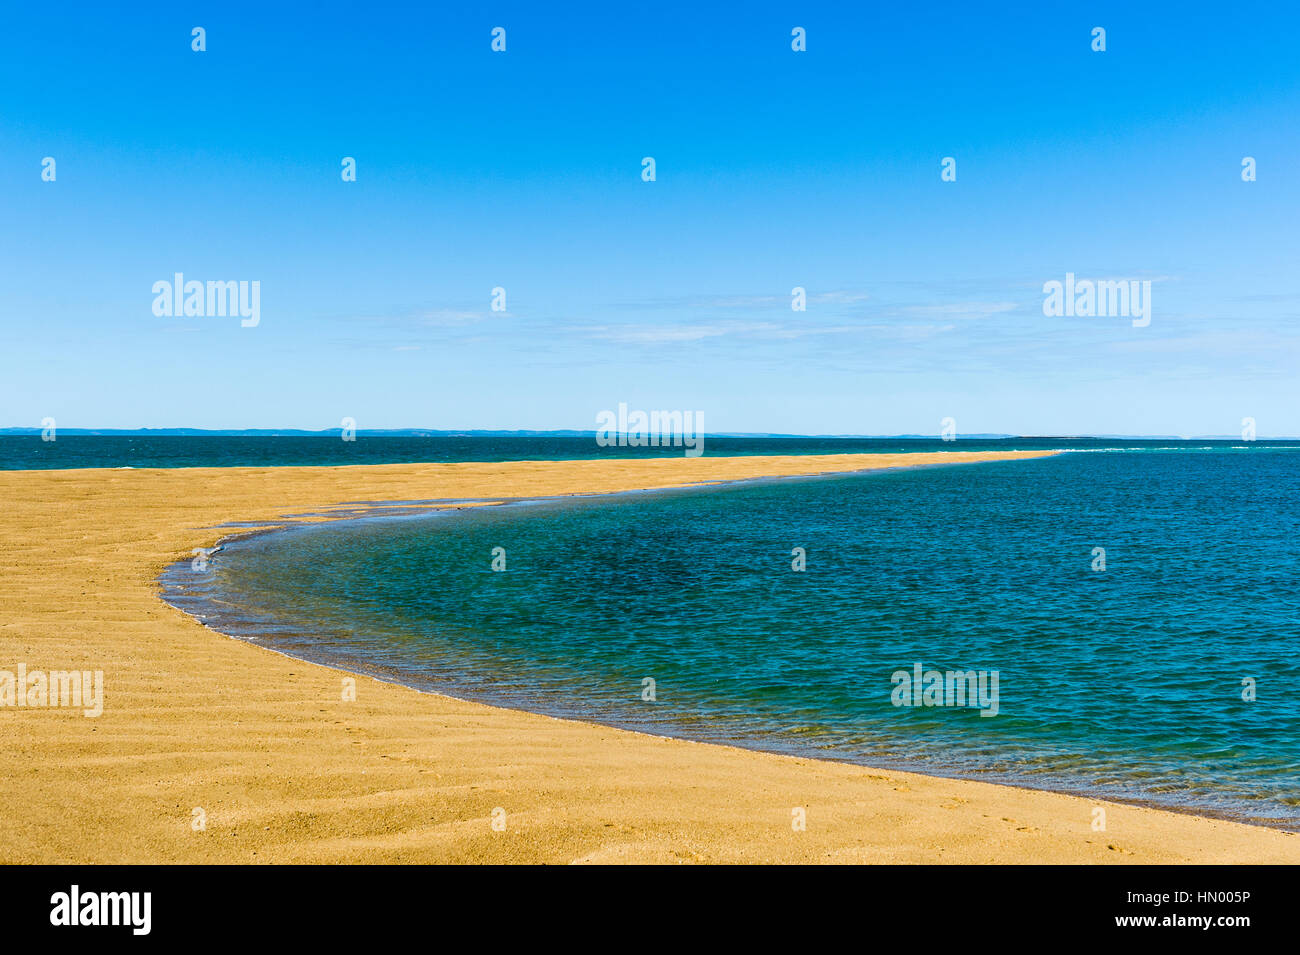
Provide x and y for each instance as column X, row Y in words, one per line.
column 286, row 771
column 183, row 589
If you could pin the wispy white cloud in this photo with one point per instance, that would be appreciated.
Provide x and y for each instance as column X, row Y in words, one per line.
column 963, row 309
column 448, row 318
column 674, row 333
column 758, row 300
column 798, row 328
column 839, row 297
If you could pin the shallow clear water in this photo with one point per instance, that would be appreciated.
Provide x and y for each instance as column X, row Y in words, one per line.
column 1125, row 683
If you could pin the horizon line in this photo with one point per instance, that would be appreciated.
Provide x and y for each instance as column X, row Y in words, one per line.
column 573, row 432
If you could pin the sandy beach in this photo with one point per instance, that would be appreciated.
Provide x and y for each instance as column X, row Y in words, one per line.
column 281, row 769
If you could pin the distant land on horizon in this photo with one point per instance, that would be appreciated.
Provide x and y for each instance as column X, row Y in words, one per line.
column 568, row 433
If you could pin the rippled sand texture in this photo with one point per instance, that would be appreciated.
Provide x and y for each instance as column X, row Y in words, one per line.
column 281, row 769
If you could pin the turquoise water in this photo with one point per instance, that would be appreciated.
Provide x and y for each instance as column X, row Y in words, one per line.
column 29, row 452
column 1125, row 683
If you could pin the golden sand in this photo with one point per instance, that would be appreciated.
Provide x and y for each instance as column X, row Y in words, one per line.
column 284, row 770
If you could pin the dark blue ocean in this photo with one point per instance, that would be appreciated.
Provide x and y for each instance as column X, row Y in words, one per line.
column 1171, row 676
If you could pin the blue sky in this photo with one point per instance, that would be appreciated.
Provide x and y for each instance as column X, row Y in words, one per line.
column 775, row 169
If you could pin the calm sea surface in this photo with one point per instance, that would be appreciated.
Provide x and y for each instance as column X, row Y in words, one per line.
column 1125, row 682
column 29, row 452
